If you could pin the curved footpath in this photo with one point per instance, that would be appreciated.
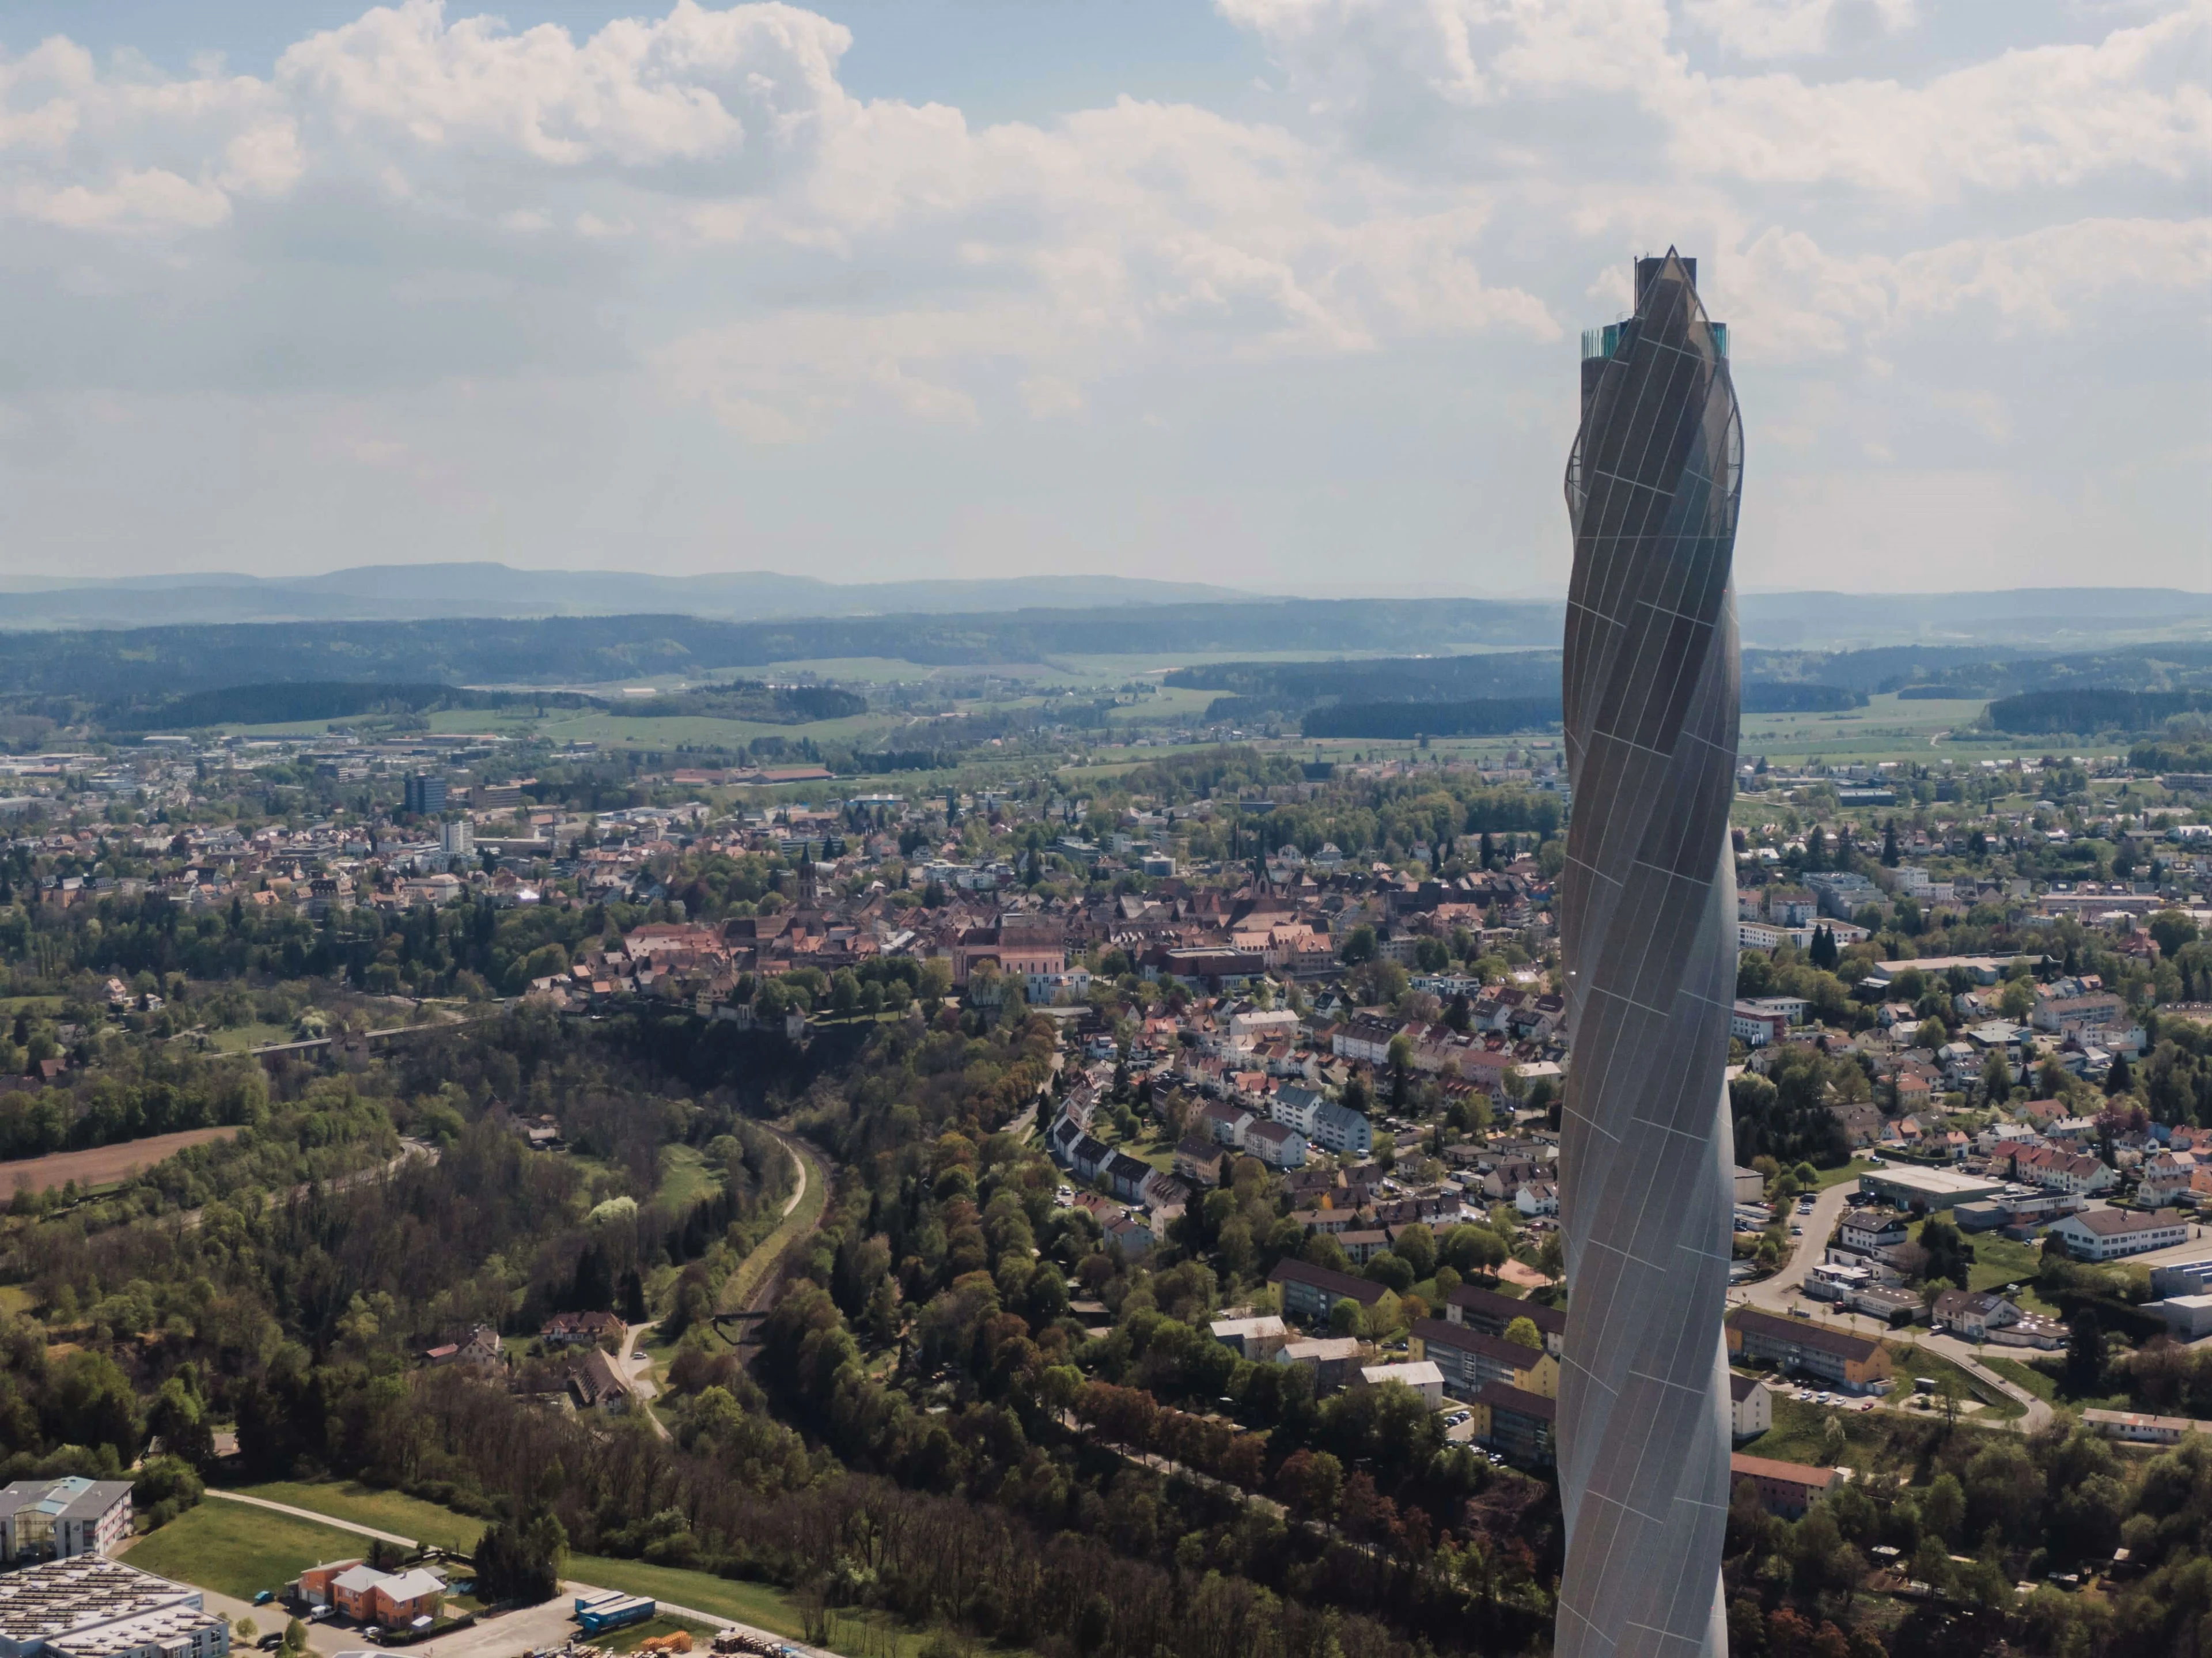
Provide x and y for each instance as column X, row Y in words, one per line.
column 637, row 1364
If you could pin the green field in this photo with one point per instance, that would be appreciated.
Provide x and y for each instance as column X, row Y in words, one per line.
column 1999, row 1263
column 236, row 1039
column 239, row 1550
column 684, row 1176
column 1850, row 1170
column 365, row 1505
column 2040, row 1382
column 760, row 1604
column 1912, row 1361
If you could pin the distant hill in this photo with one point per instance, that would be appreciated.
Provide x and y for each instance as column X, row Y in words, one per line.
column 2090, row 710
column 427, row 592
column 140, row 665
column 2011, row 623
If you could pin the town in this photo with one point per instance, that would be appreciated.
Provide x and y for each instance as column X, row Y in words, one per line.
column 1288, row 1046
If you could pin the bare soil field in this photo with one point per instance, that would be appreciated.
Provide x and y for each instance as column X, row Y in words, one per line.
column 103, row 1165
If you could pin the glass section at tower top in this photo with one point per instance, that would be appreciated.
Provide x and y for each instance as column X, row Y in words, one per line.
column 1601, row 343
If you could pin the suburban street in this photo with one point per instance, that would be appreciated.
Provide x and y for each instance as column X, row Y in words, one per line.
column 1784, row 1291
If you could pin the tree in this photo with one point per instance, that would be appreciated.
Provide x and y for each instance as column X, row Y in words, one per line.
column 521, row 1562
column 1943, row 1509
column 2085, row 1354
column 1996, row 1077
column 1889, row 844
column 1523, row 1333
column 1949, row 1255
column 2119, row 1079
column 2172, row 929
column 1824, row 954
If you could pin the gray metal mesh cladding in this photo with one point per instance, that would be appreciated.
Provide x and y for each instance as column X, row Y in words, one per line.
column 1647, row 912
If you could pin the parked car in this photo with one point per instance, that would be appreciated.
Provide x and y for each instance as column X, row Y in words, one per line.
column 264, row 1597
column 270, row 1642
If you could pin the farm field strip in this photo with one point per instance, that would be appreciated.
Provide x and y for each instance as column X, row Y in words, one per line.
column 101, row 1165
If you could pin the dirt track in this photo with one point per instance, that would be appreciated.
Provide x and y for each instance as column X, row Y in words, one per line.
column 103, row 1164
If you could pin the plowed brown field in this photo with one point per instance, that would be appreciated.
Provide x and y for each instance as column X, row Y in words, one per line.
column 103, row 1164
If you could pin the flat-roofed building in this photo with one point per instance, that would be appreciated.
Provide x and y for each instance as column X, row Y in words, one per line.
column 87, row 1606
column 1329, row 1357
column 1923, row 1189
column 2141, row 1429
column 1255, row 1338
column 1423, row 1378
column 2189, row 1317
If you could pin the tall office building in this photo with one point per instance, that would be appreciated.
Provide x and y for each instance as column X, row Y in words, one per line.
column 1647, row 931
column 424, row 794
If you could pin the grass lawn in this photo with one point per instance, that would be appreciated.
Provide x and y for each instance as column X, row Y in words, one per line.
column 1911, row 1361
column 240, row 1549
column 1872, row 1443
column 761, row 1605
column 1850, row 1170
column 236, row 1039
column 365, row 1505
column 1999, row 1262
column 684, row 1176
column 2040, row 1382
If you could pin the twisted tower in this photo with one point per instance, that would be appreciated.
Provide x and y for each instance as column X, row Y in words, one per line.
column 1647, row 916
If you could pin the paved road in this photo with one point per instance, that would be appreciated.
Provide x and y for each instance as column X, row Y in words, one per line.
column 514, row 1632
column 637, row 1370
column 1784, row 1291
column 1776, row 1294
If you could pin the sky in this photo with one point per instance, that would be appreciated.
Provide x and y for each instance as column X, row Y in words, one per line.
column 1280, row 295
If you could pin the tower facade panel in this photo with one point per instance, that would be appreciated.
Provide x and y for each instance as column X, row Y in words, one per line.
column 1647, row 913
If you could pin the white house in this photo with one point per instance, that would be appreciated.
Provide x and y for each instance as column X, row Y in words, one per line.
column 1751, row 1408
column 1424, row 1377
column 1276, row 1145
column 2111, row 1233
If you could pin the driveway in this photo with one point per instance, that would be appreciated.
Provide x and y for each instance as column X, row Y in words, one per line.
column 636, row 1366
